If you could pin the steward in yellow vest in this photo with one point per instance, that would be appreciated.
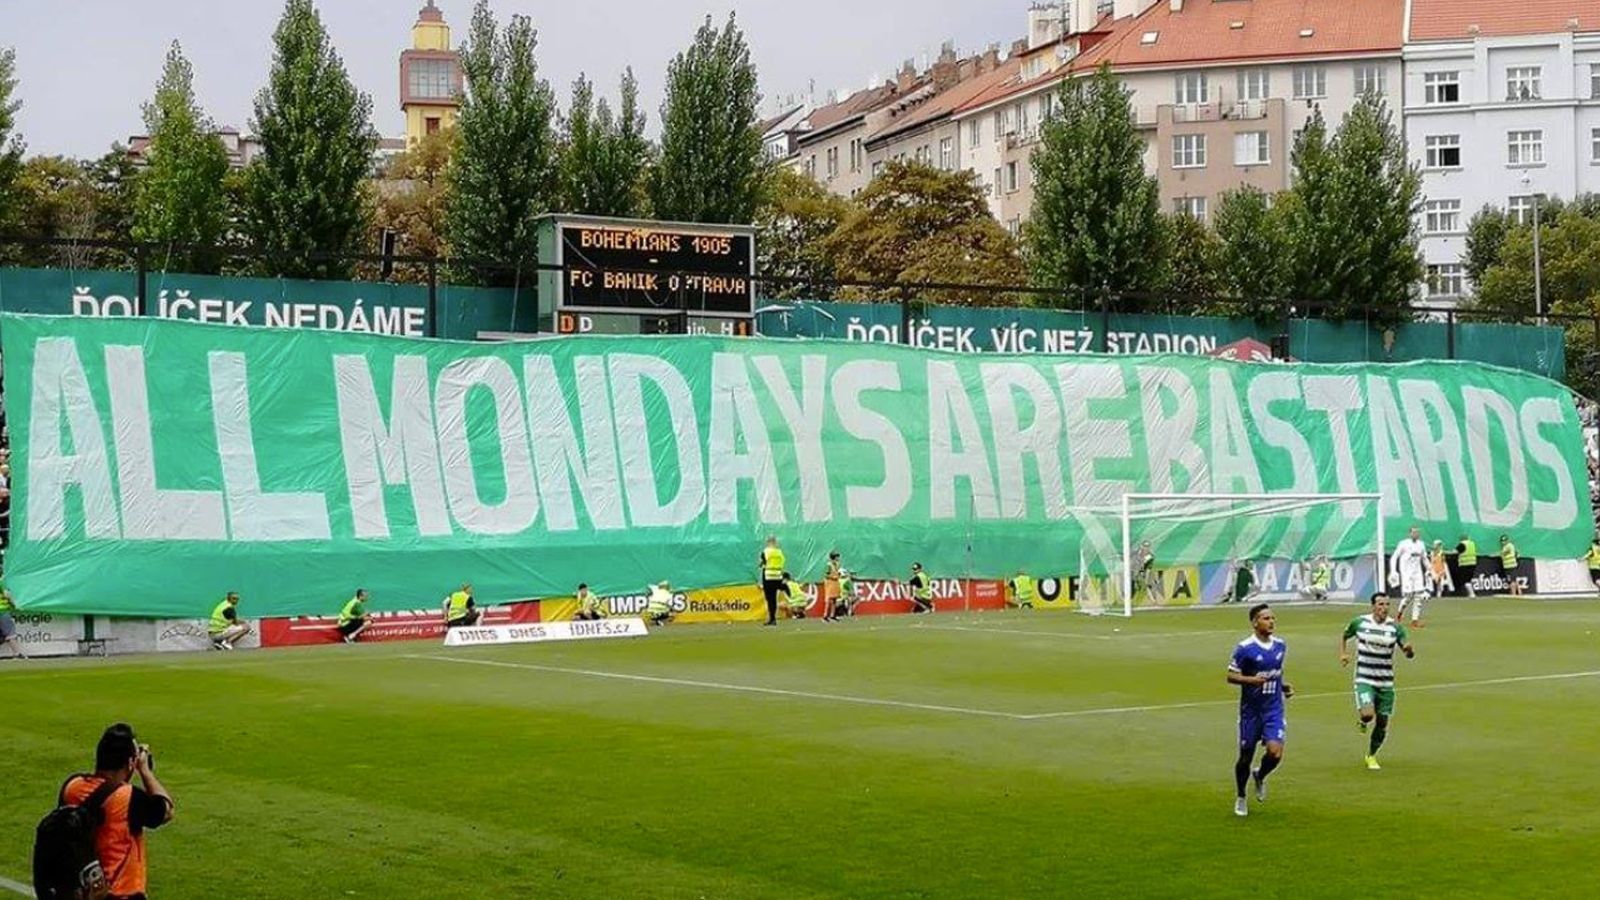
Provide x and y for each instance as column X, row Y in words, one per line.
column 771, row 565
column 460, row 610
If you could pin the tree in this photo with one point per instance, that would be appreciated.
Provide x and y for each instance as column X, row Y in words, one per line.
column 918, row 224
column 307, row 190
column 54, row 199
column 413, row 199
column 1191, row 251
column 604, row 157
column 179, row 199
column 1486, row 233
column 1354, row 231
column 1253, row 256
column 1096, row 223
column 10, row 142
column 710, row 164
column 1570, row 265
column 504, row 175
column 795, row 218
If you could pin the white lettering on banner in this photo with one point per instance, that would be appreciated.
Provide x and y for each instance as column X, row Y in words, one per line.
column 1392, row 454
column 254, row 515
column 405, row 451
column 1014, row 337
column 1481, row 406
column 1537, row 412
column 1233, row 462
column 1169, row 436
column 949, row 405
column 520, row 505
column 48, row 634
column 1436, row 442
column 558, row 459
column 547, row 631
column 804, row 416
column 1092, row 439
column 178, row 303
column 889, row 497
column 736, row 419
column 1265, row 391
column 629, row 371
column 61, row 389
column 1041, row 439
column 150, row 512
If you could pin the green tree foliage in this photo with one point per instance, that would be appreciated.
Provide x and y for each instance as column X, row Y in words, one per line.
column 1096, row 222
column 54, row 198
column 1353, row 230
column 504, row 174
column 795, row 218
column 307, row 190
column 10, row 142
column 413, row 201
column 1486, row 233
column 604, row 156
column 1253, row 252
column 710, row 166
column 180, row 199
column 1191, row 252
column 918, row 224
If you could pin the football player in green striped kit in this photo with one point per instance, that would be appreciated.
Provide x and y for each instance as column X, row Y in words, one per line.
column 1377, row 636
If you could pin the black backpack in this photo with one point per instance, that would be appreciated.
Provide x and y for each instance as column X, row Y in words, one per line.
column 65, row 865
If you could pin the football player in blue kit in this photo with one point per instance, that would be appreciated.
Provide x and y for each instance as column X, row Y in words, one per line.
column 1257, row 668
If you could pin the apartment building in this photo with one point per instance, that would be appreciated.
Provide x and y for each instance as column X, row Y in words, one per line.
column 1502, row 104
column 924, row 129
column 830, row 145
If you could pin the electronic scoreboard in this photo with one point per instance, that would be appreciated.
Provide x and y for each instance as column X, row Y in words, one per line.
column 626, row 276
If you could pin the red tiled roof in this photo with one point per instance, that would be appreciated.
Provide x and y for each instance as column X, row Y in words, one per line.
column 769, row 124
column 1203, row 31
column 1016, row 85
column 1436, row 20
column 857, row 104
column 942, row 104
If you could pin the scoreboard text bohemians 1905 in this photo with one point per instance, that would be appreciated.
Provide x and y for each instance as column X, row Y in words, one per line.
column 608, row 267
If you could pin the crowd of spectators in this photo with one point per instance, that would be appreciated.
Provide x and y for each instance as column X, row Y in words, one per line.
column 1589, row 417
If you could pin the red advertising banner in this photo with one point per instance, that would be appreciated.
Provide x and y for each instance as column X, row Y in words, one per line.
column 880, row 598
column 411, row 625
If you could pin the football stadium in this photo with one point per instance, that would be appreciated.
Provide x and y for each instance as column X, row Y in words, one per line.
column 540, row 505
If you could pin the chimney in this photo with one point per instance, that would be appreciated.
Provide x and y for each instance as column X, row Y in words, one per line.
column 1018, row 47
column 968, row 68
column 907, row 76
column 945, row 73
column 1085, row 13
column 990, row 60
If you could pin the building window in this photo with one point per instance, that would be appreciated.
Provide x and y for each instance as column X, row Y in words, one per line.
column 1047, row 107
column 999, row 126
column 1594, row 81
column 431, row 79
column 1441, row 87
column 855, row 155
column 994, row 185
column 947, row 153
column 1523, row 82
column 1191, row 88
column 1254, row 84
column 833, row 162
column 1251, row 148
column 1525, row 148
column 1026, row 127
column 1310, row 82
column 877, row 168
column 1441, row 216
column 974, row 133
column 1011, row 177
column 811, row 165
column 1446, row 280
column 1194, row 207
column 1372, row 78
column 1442, row 151
column 1520, row 209
column 1014, row 225
column 1594, row 145
column 1188, row 151
column 430, row 124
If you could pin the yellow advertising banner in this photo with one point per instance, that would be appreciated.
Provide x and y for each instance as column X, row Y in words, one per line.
column 734, row 603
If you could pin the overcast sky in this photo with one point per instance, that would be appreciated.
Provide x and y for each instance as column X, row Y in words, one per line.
column 85, row 66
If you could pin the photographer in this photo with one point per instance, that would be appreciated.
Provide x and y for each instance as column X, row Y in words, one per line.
column 127, row 813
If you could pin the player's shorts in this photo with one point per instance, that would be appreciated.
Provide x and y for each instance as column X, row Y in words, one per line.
column 1261, row 726
column 1379, row 698
column 1413, row 583
column 350, row 627
column 8, row 626
column 1594, row 574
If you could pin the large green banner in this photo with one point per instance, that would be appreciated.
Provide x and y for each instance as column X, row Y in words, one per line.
column 161, row 463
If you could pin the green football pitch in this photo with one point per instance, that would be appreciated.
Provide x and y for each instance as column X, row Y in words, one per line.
column 1000, row 755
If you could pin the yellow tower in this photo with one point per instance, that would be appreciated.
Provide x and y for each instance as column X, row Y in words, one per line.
column 430, row 77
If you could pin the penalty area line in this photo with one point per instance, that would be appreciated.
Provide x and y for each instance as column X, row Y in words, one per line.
column 15, row 887
column 722, row 686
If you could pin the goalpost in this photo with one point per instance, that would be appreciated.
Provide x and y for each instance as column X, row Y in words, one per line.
column 1166, row 531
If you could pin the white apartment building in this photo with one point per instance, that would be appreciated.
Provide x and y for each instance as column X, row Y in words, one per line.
column 1502, row 103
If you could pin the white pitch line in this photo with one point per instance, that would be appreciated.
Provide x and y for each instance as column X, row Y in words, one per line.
column 1444, row 686
column 986, row 630
column 721, row 686
column 16, row 887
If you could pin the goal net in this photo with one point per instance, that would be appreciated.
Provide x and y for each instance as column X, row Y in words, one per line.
column 1161, row 550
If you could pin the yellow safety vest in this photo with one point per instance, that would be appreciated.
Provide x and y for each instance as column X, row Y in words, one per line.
column 1508, row 556
column 1024, row 588
column 1469, row 552
column 219, row 622
column 458, row 605
column 1594, row 556
column 349, row 614
column 772, row 564
column 921, row 586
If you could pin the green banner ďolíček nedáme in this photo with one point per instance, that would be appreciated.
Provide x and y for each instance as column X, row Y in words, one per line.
column 158, row 464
